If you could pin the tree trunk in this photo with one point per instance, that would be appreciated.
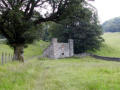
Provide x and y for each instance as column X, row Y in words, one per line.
column 18, row 53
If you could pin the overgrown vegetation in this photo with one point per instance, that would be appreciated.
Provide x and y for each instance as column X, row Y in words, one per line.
column 19, row 19
column 86, row 36
column 82, row 26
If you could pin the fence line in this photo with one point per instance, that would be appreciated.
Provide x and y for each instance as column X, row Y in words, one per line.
column 6, row 57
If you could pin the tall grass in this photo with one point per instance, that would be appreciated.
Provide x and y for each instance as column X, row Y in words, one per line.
column 64, row 74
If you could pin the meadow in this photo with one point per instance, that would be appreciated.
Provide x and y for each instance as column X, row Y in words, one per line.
column 63, row 74
column 111, row 45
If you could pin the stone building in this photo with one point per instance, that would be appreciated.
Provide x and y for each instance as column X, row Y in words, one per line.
column 59, row 50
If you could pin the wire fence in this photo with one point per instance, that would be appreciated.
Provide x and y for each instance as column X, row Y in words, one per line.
column 6, row 57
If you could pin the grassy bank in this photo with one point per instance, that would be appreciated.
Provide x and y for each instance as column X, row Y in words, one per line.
column 111, row 46
column 34, row 49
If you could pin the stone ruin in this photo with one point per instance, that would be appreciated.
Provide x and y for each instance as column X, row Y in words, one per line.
column 59, row 50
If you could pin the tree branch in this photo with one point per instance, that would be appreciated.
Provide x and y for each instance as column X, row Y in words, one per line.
column 3, row 1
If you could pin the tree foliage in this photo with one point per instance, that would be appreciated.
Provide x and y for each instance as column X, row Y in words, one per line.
column 19, row 18
column 112, row 25
column 83, row 27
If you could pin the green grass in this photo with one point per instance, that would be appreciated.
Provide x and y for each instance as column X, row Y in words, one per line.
column 65, row 74
column 5, row 48
column 34, row 49
column 111, row 46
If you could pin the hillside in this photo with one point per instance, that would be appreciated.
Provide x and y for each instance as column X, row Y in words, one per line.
column 111, row 46
column 112, row 25
column 34, row 49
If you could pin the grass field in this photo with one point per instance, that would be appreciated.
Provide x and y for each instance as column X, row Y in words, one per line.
column 64, row 74
column 111, row 46
column 35, row 49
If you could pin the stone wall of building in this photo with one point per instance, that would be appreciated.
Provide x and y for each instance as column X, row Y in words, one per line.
column 71, row 47
column 59, row 50
column 47, row 52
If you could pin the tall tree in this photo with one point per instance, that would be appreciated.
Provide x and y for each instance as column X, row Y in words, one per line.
column 19, row 19
column 83, row 26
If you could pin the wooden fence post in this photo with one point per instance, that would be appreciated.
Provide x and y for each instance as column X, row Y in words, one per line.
column 5, row 55
column 12, row 57
column 9, row 57
column 2, row 58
